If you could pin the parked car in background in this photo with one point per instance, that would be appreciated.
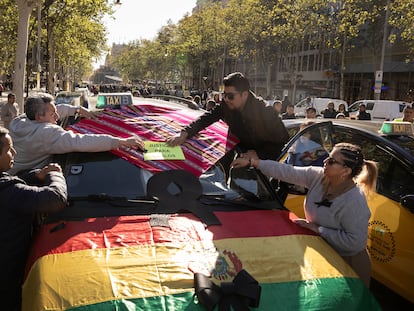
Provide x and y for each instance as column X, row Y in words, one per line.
column 72, row 98
column 379, row 109
column 319, row 103
column 151, row 234
column 83, row 89
column 391, row 145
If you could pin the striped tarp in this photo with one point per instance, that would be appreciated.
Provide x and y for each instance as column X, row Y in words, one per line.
column 157, row 123
column 124, row 263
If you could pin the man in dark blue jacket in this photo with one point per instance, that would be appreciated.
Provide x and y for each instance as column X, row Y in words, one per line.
column 41, row 190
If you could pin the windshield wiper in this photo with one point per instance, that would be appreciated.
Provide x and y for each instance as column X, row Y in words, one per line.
column 113, row 200
column 215, row 201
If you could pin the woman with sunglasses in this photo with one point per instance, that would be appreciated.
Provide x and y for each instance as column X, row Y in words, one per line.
column 335, row 206
column 255, row 123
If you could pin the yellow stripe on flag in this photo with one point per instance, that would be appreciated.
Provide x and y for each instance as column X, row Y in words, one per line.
column 60, row 281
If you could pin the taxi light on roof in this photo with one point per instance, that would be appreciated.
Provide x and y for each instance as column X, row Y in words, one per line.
column 113, row 100
column 397, row 128
column 100, row 103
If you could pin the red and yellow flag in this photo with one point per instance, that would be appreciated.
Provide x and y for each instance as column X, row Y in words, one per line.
column 130, row 263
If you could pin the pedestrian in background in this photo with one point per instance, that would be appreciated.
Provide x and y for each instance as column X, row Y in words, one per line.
column 39, row 191
column 197, row 100
column 277, row 106
column 210, row 105
column 310, row 113
column 9, row 110
column 257, row 125
column 330, row 112
column 342, row 109
column 285, row 103
column 37, row 137
column 335, row 206
column 363, row 114
column 290, row 112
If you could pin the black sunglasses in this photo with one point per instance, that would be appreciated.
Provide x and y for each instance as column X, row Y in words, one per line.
column 230, row 96
column 332, row 161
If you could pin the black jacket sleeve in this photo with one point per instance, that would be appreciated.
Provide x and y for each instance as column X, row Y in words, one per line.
column 27, row 199
column 204, row 121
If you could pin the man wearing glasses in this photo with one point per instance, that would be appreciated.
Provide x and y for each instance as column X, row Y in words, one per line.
column 255, row 123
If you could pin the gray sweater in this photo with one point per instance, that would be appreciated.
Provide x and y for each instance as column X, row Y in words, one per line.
column 35, row 142
column 344, row 225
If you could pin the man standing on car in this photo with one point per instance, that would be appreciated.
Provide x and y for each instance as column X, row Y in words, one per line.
column 42, row 190
column 37, row 137
column 256, row 124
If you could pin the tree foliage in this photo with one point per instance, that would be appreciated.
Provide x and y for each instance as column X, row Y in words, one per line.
column 214, row 36
column 8, row 37
column 72, row 32
column 263, row 30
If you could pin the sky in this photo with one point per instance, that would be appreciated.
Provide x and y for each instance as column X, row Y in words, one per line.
column 142, row 19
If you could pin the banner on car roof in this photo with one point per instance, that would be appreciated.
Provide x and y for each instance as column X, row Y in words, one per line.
column 133, row 263
column 154, row 123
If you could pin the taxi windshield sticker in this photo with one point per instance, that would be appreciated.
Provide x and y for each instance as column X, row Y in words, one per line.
column 161, row 151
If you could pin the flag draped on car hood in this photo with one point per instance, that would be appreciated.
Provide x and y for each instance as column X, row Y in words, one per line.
column 146, row 263
column 156, row 123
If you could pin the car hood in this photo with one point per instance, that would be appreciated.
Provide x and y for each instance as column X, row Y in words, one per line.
column 142, row 261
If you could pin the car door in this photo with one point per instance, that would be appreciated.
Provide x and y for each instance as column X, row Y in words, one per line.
column 390, row 238
column 318, row 132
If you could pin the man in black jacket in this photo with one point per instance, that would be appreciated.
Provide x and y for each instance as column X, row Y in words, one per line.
column 255, row 123
column 41, row 190
column 363, row 114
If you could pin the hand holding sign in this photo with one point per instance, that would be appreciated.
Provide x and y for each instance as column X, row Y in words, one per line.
column 161, row 151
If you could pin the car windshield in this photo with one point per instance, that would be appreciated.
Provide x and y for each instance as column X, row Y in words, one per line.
column 107, row 175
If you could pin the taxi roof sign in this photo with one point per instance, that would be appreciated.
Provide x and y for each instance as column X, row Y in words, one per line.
column 113, row 100
column 397, row 128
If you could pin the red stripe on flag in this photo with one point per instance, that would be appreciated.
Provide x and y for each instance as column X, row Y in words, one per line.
column 126, row 231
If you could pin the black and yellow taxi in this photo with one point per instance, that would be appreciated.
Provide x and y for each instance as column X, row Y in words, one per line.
column 391, row 145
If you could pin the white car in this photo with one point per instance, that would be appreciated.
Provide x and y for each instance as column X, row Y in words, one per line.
column 383, row 110
column 319, row 103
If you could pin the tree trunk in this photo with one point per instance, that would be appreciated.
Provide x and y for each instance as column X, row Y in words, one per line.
column 51, row 62
column 295, row 76
column 25, row 7
column 342, row 69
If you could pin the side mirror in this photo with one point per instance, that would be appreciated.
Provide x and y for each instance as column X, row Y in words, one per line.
column 408, row 202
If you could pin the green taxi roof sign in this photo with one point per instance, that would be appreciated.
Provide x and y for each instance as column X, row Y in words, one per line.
column 112, row 100
column 397, row 128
